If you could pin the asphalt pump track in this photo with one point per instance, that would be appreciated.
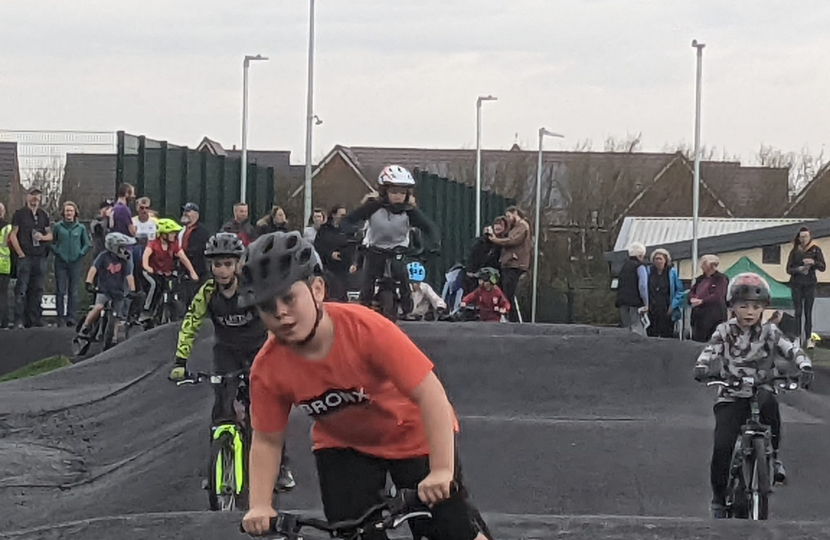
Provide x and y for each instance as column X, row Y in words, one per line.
column 566, row 432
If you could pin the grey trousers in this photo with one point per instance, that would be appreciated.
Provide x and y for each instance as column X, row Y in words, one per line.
column 630, row 317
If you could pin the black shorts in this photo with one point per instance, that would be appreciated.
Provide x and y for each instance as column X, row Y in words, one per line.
column 352, row 482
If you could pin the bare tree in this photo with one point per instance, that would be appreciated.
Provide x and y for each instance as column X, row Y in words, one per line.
column 49, row 179
column 803, row 165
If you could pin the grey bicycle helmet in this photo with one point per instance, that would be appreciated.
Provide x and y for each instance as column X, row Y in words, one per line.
column 224, row 244
column 273, row 264
column 117, row 243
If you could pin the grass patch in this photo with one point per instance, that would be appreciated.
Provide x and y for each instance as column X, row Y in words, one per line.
column 36, row 368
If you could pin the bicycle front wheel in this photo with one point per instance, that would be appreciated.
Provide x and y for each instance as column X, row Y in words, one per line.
column 760, row 488
column 222, row 490
column 109, row 330
column 388, row 305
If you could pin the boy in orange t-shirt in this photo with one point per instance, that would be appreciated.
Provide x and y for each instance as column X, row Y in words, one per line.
column 377, row 406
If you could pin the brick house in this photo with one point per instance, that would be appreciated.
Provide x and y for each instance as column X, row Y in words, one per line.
column 11, row 190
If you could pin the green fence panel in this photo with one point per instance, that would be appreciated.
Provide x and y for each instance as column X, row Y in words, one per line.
column 452, row 207
column 152, row 184
column 214, row 191
column 194, row 179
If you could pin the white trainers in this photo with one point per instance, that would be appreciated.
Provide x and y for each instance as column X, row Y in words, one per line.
column 811, row 344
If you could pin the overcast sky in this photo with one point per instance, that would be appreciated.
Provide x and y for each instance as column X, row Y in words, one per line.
column 407, row 72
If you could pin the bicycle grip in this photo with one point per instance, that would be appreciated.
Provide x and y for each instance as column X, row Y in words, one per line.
column 273, row 527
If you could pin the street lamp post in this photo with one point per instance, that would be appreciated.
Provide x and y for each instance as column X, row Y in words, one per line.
column 243, row 175
column 696, row 195
column 478, row 159
column 309, row 115
column 538, row 232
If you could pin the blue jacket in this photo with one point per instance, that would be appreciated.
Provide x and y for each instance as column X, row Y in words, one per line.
column 677, row 292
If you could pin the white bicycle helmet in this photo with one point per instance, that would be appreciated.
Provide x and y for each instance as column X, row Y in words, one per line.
column 395, row 175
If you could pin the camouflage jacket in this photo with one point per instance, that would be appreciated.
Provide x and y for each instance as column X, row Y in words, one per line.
column 738, row 352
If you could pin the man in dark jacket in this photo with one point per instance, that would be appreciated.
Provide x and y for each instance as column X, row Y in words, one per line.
column 632, row 289
column 240, row 224
column 708, row 299
column 194, row 238
column 337, row 253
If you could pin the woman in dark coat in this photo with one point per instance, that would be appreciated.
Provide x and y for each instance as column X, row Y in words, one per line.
column 708, row 299
column 337, row 254
column 484, row 254
column 805, row 260
column 273, row 222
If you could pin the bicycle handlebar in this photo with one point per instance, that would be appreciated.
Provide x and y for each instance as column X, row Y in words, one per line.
column 200, row 377
column 401, row 508
column 785, row 382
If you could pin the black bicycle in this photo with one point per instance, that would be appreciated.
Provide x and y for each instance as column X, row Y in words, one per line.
column 168, row 305
column 101, row 331
column 751, row 470
column 387, row 515
column 227, row 483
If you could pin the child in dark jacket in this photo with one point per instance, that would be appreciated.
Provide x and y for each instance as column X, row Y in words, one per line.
column 491, row 301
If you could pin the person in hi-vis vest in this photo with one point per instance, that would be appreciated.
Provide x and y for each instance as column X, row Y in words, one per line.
column 5, row 267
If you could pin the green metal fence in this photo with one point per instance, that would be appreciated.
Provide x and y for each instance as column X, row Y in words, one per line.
column 173, row 175
column 451, row 206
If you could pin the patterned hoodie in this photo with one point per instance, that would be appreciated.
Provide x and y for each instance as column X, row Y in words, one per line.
column 738, row 352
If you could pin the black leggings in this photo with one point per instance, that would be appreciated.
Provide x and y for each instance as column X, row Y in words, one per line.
column 509, row 283
column 803, row 298
column 352, row 482
column 373, row 267
column 729, row 417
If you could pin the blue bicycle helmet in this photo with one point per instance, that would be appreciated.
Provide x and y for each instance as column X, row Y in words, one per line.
column 417, row 272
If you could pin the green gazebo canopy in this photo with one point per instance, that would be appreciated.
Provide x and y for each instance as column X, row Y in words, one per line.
column 780, row 293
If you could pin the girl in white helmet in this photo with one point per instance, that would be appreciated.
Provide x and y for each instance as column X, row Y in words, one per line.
column 389, row 219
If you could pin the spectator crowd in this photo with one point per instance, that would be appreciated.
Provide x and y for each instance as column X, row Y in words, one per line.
column 502, row 253
column 651, row 297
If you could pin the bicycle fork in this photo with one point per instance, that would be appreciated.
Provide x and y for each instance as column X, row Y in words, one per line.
column 234, row 434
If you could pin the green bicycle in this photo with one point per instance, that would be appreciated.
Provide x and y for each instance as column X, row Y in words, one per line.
column 227, row 482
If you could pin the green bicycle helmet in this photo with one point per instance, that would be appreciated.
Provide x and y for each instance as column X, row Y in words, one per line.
column 168, row 226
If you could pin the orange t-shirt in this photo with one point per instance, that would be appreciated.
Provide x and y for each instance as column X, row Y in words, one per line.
column 358, row 395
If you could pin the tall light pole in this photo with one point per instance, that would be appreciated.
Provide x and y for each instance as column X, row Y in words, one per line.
column 538, row 232
column 243, row 175
column 309, row 126
column 696, row 195
column 478, row 159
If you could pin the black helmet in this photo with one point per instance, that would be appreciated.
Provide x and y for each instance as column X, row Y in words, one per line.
column 224, row 244
column 488, row 274
column 273, row 263
column 748, row 287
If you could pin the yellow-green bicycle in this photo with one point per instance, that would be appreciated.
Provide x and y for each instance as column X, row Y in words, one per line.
column 227, row 482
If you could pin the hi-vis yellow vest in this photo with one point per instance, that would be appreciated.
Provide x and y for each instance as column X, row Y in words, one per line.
column 5, row 251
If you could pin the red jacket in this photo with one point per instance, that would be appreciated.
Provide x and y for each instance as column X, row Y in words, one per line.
column 489, row 303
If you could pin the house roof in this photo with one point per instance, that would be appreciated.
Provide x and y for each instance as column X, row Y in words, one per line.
column 657, row 231
column 821, row 178
column 8, row 165
column 211, row 146
column 280, row 160
column 748, row 191
column 727, row 243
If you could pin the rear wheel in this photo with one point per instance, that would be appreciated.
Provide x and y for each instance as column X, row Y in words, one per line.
column 760, row 487
column 222, row 483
